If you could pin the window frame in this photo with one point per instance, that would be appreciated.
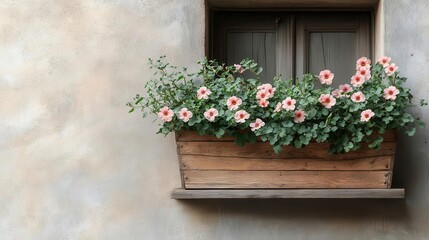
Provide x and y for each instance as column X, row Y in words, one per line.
column 294, row 33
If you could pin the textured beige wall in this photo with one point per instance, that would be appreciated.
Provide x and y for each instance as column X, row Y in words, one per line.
column 75, row 165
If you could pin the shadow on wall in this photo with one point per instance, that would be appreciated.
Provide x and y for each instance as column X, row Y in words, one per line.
column 409, row 172
column 302, row 209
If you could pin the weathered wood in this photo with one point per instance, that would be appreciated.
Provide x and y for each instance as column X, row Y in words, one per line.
column 193, row 136
column 195, row 162
column 287, row 4
column 210, row 163
column 195, row 179
column 265, row 150
column 287, row 193
column 180, row 166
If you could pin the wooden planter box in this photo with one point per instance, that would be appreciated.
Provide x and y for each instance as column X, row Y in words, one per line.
column 210, row 163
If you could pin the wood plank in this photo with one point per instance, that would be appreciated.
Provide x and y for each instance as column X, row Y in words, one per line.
column 182, row 178
column 287, row 193
column 265, row 150
column 193, row 136
column 195, row 162
column 287, row 4
column 195, row 179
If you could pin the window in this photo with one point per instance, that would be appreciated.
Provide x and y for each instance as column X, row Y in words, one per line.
column 291, row 44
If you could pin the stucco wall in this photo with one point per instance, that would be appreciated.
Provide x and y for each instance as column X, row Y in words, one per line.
column 75, row 165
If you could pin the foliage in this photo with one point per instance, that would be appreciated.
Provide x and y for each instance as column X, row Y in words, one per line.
column 288, row 112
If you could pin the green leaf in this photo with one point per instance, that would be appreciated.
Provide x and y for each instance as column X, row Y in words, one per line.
column 298, row 143
column 251, row 138
column 325, row 111
column 407, row 118
column 421, row 124
column 389, row 108
column 139, row 100
column 219, row 133
column 287, row 124
column 388, row 119
column 354, row 107
column 165, row 130
column 277, row 149
column 411, row 132
column 252, row 81
column 287, row 140
column 301, row 129
column 240, row 140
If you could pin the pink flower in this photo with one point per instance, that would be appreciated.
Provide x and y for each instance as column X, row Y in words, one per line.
column 203, row 92
column 264, row 86
column 365, row 72
column 337, row 93
column 299, row 116
column 263, row 103
column 357, row 80
column 166, row 114
column 342, row 89
column 271, row 92
column 211, row 114
column 366, row 115
column 269, row 88
column 326, row 77
column 384, row 61
column 345, row 88
column 241, row 116
column 278, row 107
column 391, row 69
column 289, row 104
column 257, row 124
column 185, row 114
column 358, row 97
column 363, row 62
column 262, row 94
column 327, row 100
column 390, row 93
column 239, row 68
column 233, row 102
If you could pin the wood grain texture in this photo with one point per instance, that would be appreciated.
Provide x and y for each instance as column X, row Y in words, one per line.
column 195, row 179
column 265, row 150
column 195, row 162
column 279, row 4
column 193, row 136
column 210, row 163
column 287, row 193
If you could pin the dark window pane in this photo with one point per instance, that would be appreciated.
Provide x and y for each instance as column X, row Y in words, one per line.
column 259, row 46
column 336, row 51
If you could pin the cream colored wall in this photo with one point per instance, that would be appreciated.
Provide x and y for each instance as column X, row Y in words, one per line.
column 75, row 165
column 379, row 30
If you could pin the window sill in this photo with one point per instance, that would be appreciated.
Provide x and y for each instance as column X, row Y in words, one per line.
column 180, row 193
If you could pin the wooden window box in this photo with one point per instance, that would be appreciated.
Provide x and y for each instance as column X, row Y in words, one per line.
column 213, row 167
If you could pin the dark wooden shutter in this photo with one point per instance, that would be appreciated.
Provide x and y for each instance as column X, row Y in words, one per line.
column 332, row 41
column 293, row 44
column 261, row 37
